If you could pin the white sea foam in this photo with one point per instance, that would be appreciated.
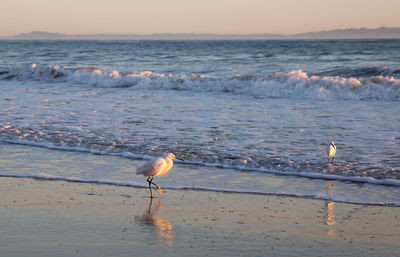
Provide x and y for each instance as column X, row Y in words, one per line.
column 311, row 175
column 293, row 85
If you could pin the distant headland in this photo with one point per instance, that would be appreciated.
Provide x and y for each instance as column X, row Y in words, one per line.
column 360, row 33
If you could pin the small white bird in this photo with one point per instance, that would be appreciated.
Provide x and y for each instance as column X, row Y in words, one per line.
column 331, row 151
column 157, row 168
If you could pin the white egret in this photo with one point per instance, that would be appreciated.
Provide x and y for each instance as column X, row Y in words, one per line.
column 331, row 151
column 157, row 168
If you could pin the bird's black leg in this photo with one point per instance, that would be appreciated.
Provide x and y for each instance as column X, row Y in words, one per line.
column 149, row 180
column 155, row 184
column 333, row 158
column 158, row 187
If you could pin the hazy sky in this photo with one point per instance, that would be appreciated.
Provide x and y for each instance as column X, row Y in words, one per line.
column 194, row 16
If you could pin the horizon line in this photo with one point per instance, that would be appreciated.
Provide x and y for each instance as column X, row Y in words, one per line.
column 350, row 33
column 208, row 33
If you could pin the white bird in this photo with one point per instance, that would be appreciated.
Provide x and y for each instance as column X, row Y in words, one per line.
column 157, row 168
column 331, row 151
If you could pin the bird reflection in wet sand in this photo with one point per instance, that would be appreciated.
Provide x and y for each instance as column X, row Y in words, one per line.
column 329, row 215
column 162, row 228
column 329, row 208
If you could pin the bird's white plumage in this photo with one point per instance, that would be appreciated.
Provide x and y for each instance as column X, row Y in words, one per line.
column 157, row 167
column 331, row 150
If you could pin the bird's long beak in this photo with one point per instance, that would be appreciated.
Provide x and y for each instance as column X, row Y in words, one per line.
column 179, row 158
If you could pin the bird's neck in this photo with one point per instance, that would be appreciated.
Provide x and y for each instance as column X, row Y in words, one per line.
column 169, row 163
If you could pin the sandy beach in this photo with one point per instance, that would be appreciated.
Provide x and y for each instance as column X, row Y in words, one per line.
column 58, row 218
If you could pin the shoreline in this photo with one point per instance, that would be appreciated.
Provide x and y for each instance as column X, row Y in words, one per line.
column 309, row 175
column 221, row 191
column 25, row 161
column 48, row 218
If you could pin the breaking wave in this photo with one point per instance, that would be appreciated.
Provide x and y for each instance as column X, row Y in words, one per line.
column 377, row 83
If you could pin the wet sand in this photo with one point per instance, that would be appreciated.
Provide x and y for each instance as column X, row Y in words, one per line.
column 57, row 218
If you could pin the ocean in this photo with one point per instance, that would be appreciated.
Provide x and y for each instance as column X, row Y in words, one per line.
column 252, row 117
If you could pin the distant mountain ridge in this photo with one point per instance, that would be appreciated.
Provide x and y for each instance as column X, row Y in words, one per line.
column 361, row 33
column 381, row 32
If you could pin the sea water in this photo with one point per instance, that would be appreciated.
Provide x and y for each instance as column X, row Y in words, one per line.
column 246, row 116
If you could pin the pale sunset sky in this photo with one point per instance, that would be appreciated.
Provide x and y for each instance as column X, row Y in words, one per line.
column 194, row 16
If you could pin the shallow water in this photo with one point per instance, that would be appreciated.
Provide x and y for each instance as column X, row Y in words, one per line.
column 42, row 163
